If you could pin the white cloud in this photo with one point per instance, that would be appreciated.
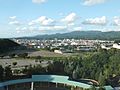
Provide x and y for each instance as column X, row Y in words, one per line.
column 18, row 32
column 95, row 21
column 45, row 28
column 116, row 21
column 32, row 28
column 39, row 1
column 40, row 28
column 52, row 28
column 31, row 23
column 15, row 23
column 60, row 27
column 43, row 20
column 24, row 28
column 12, row 17
column 71, row 24
column 77, row 28
column 93, row 2
column 70, row 19
column 18, row 28
column 21, row 28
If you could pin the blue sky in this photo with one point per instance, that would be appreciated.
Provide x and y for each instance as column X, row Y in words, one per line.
column 32, row 17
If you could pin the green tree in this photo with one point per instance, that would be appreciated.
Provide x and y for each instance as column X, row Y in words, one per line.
column 1, row 73
column 101, row 79
column 74, row 74
column 38, row 57
column 12, row 55
column 14, row 63
column 92, row 88
column 23, row 55
column 8, row 73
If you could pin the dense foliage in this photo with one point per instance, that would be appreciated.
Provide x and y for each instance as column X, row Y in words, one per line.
column 102, row 66
column 5, row 73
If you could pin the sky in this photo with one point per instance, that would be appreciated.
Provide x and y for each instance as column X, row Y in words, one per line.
column 36, row 17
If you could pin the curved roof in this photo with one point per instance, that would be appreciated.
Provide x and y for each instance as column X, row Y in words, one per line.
column 59, row 79
column 47, row 78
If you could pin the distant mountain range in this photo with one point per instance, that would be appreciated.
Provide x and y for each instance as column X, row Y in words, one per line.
column 111, row 35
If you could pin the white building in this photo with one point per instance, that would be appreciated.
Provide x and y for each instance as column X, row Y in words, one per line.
column 58, row 51
column 104, row 47
column 74, row 43
column 116, row 46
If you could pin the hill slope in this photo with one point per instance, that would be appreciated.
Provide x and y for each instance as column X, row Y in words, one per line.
column 81, row 35
column 6, row 45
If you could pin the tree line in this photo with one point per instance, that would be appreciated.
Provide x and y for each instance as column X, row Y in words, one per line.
column 102, row 66
column 5, row 73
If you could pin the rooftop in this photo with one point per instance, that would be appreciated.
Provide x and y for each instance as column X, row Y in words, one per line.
column 46, row 78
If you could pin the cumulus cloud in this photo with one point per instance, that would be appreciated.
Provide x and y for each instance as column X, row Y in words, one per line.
column 70, row 19
column 33, row 28
column 32, row 23
column 116, row 21
column 77, row 28
column 39, row 1
column 93, row 2
column 27, row 29
column 53, row 28
column 60, row 27
column 71, row 24
column 24, row 28
column 40, row 28
column 43, row 20
column 96, row 21
column 20, row 29
column 12, row 17
column 15, row 23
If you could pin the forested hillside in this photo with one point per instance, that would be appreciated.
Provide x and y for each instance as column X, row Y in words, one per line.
column 112, row 35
